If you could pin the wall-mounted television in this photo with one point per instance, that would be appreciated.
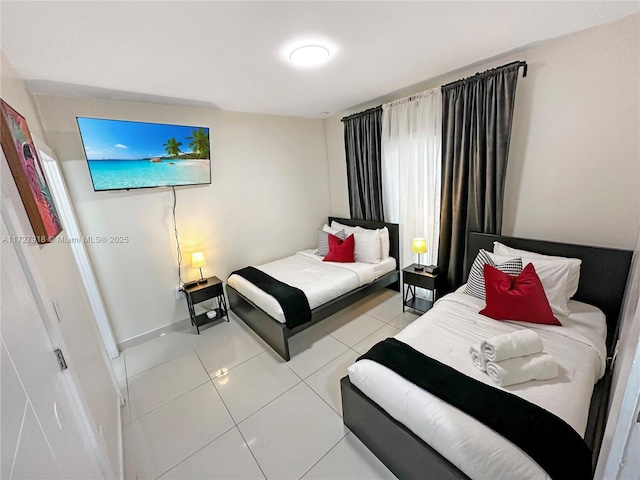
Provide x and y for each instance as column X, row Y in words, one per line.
column 123, row 155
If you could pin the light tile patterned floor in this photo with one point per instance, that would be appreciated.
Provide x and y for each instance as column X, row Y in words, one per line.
column 223, row 405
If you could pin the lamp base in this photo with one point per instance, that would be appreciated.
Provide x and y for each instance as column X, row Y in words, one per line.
column 419, row 268
column 202, row 281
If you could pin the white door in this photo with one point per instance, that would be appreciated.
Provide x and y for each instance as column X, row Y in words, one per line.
column 45, row 431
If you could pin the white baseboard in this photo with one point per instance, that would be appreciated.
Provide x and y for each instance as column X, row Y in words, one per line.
column 177, row 326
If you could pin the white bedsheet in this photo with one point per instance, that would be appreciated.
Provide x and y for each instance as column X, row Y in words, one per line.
column 320, row 281
column 445, row 333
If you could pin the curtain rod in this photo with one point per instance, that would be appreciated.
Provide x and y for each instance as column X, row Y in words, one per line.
column 491, row 70
column 364, row 112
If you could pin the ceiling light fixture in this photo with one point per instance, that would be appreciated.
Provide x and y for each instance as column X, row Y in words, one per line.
column 309, row 55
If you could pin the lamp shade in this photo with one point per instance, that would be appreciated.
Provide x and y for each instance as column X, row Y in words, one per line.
column 419, row 245
column 198, row 260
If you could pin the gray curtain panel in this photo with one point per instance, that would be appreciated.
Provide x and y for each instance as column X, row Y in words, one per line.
column 476, row 128
column 362, row 134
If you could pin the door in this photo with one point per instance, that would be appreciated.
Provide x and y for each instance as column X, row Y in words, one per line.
column 45, row 433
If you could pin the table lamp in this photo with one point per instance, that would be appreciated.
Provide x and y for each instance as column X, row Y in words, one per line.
column 198, row 261
column 419, row 246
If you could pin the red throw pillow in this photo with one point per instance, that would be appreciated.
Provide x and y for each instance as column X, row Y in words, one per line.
column 520, row 298
column 341, row 250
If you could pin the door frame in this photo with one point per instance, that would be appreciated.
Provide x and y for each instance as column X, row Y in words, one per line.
column 67, row 216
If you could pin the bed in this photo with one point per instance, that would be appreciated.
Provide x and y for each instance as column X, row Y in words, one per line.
column 251, row 306
column 404, row 450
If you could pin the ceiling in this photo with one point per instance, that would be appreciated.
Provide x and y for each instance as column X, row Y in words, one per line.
column 233, row 55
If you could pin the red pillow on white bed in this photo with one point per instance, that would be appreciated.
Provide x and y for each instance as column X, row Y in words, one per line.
column 520, row 298
column 341, row 250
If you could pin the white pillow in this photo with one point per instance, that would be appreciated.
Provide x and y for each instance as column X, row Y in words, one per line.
column 555, row 276
column 367, row 247
column 332, row 231
column 385, row 243
column 339, row 226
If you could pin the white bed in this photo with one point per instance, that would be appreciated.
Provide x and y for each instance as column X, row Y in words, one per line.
column 320, row 281
column 445, row 333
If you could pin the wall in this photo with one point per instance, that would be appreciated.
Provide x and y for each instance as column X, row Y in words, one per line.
column 268, row 196
column 573, row 172
column 54, row 266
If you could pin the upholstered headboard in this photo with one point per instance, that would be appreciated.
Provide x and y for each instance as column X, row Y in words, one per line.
column 394, row 233
column 603, row 273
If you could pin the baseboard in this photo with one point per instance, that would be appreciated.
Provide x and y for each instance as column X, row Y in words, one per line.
column 177, row 326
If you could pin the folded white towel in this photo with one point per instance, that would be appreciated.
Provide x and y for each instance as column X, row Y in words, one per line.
column 510, row 345
column 540, row 366
column 478, row 359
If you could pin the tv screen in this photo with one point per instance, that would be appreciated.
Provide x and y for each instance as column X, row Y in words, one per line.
column 125, row 155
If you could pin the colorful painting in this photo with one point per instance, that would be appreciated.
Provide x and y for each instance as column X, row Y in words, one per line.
column 24, row 162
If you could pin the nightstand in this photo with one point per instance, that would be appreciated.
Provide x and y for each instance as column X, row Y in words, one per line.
column 212, row 290
column 412, row 279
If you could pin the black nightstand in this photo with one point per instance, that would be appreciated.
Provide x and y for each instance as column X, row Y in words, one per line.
column 200, row 293
column 412, row 279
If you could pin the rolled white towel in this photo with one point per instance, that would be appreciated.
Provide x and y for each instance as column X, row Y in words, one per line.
column 510, row 345
column 540, row 366
column 478, row 359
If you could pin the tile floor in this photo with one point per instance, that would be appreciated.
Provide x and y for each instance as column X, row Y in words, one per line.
column 223, row 405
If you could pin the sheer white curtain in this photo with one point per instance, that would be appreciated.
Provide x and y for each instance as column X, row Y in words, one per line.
column 411, row 166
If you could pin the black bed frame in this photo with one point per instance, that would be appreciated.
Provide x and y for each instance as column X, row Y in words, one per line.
column 603, row 277
column 277, row 334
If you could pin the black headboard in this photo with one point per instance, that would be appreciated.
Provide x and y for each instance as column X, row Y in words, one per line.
column 603, row 273
column 394, row 233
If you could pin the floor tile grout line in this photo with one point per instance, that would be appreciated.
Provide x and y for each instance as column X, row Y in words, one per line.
column 251, row 452
column 173, row 399
column 350, row 346
column 161, row 363
column 316, row 393
column 325, row 364
column 192, row 347
column 228, row 369
column 235, row 425
column 219, row 395
column 327, row 452
column 201, row 448
column 267, row 404
column 225, row 404
column 327, row 403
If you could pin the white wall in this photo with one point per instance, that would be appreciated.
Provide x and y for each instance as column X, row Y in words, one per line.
column 269, row 195
column 55, row 267
column 574, row 169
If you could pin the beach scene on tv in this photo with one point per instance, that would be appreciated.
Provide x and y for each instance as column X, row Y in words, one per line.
column 125, row 155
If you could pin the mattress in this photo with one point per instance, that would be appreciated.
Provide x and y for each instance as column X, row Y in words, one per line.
column 445, row 333
column 320, row 281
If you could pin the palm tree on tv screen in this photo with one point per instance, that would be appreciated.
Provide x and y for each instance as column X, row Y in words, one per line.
column 199, row 142
column 172, row 147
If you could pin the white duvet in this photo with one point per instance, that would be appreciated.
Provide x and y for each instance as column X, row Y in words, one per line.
column 320, row 281
column 445, row 333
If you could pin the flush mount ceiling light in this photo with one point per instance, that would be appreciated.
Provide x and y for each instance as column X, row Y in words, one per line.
column 309, row 55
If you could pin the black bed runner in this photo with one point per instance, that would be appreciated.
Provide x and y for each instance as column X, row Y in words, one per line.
column 293, row 301
column 546, row 438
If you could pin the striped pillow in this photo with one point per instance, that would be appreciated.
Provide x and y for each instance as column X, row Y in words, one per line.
column 323, row 241
column 475, row 282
